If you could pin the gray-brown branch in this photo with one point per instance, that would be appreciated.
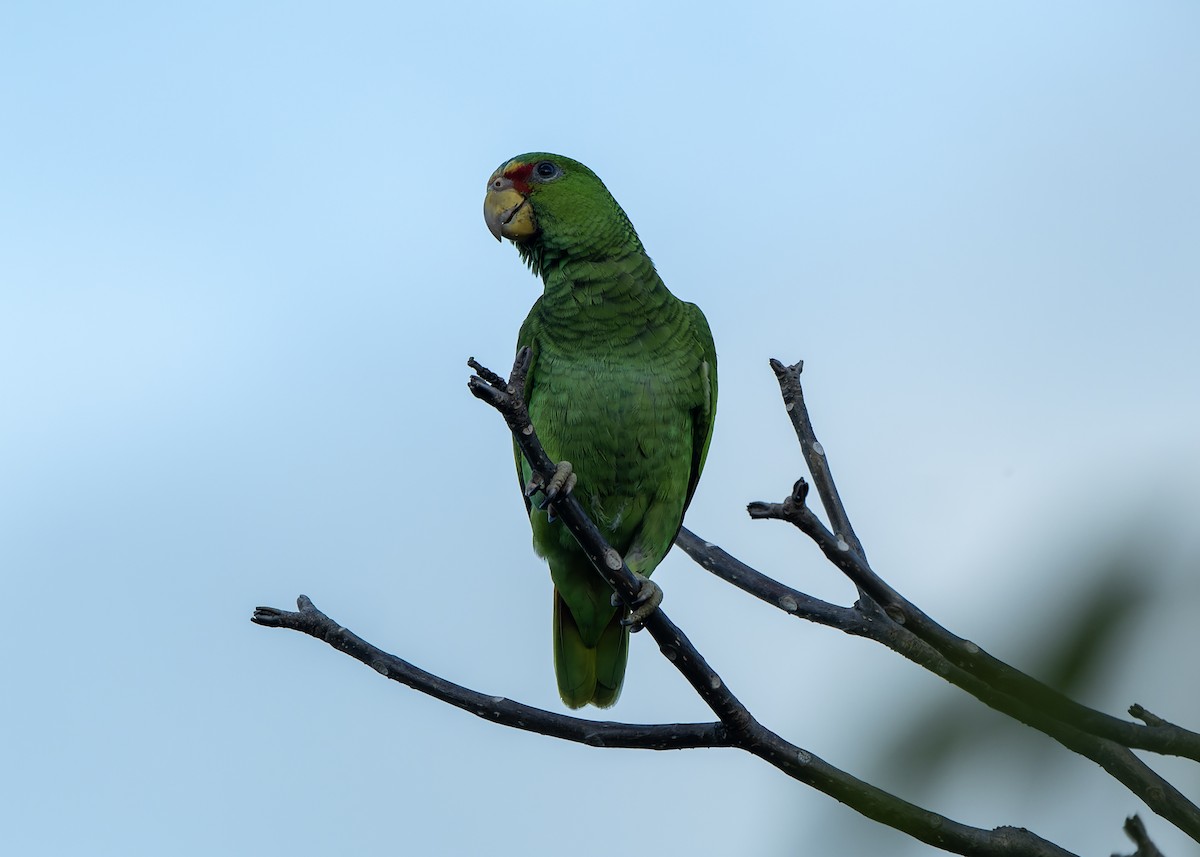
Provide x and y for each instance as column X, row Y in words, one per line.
column 814, row 453
column 736, row 726
column 673, row 736
column 743, row 729
column 1157, row 735
column 1136, row 831
column 1097, row 736
column 1123, row 765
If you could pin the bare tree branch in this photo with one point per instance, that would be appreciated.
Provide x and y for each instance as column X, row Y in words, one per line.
column 814, row 454
column 1162, row 736
column 1137, row 832
column 799, row 604
column 675, row 736
column 899, row 625
column 1098, row 736
column 1156, row 736
column 1002, row 842
column 850, row 620
column 1154, row 790
column 743, row 729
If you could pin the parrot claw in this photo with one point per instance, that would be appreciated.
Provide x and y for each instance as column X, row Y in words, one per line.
column 647, row 601
column 560, row 485
column 561, row 482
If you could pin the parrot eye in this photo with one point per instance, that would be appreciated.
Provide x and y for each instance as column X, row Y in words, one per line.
column 547, row 170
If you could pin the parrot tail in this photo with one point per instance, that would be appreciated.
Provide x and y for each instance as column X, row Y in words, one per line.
column 588, row 674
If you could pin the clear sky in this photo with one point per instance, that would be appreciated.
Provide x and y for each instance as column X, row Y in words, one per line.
column 242, row 264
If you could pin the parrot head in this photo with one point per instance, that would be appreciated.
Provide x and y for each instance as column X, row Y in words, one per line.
column 550, row 205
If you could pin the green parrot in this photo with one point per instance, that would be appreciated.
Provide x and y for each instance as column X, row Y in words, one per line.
column 622, row 384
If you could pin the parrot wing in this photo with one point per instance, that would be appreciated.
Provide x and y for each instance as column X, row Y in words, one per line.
column 527, row 337
column 704, row 415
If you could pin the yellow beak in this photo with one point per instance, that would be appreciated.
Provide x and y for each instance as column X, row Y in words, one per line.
column 506, row 211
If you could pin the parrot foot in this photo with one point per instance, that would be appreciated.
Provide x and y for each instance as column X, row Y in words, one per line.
column 561, row 482
column 560, row 485
column 647, row 601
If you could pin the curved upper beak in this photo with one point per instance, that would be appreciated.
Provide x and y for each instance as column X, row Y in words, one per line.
column 506, row 211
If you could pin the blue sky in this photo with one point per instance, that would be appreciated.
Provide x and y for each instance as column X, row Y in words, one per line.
column 242, row 264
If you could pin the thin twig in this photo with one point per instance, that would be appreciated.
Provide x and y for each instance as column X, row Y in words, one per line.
column 878, row 627
column 818, row 463
column 872, row 802
column 1100, row 737
column 1157, row 735
column 1157, row 792
column 792, row 601
column 1123, row 765
column 1137, row 832
column 674, row 736
column 814, row 453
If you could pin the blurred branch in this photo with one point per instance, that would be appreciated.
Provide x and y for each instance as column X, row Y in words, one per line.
column 1161, row 736
column 1012, row 692
column 1155, row 791
column 1157, row 735
column 850, row 620
column 1098, row 736
column 1137, row 832
column 844, row 550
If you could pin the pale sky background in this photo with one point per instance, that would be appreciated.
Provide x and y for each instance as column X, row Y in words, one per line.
column 242, row 264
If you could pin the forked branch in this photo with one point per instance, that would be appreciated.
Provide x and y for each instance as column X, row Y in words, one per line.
column 902, row 627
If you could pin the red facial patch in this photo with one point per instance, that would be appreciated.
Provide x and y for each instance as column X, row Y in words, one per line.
column 519, row 176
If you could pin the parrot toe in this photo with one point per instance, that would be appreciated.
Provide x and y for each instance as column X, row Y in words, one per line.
column 647, row 601
column 533, row 486
column 560, row 485
column 561, row 482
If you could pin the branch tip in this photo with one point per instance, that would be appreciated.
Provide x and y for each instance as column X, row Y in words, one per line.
column 269, row 617
column 760, row 510
column 1136, row 830
column 781, row 369
column 1137, row 712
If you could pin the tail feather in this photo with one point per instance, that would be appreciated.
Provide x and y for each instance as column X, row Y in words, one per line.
column 612, row 653
column 588, row 674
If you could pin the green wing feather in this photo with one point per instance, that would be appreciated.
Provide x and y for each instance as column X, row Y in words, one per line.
column 704, row 417
column 527, row 337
